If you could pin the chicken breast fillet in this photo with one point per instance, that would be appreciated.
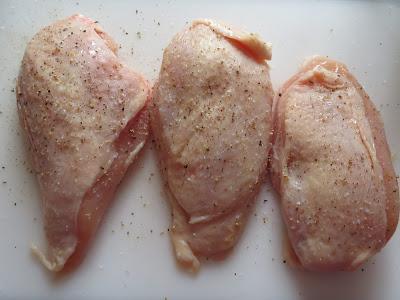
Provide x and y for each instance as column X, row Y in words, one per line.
column 211, row 119
column 85, row 118
column 332, row 168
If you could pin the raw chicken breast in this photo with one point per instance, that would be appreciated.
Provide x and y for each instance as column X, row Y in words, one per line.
column 84, row 115
column 211, row 120
column 332, row 168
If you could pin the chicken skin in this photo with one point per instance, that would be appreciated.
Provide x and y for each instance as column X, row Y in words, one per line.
column 85, row 117
column 211, row 118
column 332, row 168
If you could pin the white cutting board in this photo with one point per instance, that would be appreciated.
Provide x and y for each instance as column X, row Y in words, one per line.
column 141, row 265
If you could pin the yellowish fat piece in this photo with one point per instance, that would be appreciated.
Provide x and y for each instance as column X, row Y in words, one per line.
column 184, row 254
column 260, row 49
column 58, row 259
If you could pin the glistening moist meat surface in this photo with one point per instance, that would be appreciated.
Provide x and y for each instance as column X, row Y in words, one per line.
column 211, row 119
column 332, row 168
column 84, row 115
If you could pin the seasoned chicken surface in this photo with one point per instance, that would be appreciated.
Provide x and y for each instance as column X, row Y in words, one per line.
column 332, row 168
column 211, row 119
column 84, row 115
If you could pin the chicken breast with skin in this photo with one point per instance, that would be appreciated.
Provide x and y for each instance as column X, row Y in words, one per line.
column 332, row 168
column 211, row 119
column 84, row 114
